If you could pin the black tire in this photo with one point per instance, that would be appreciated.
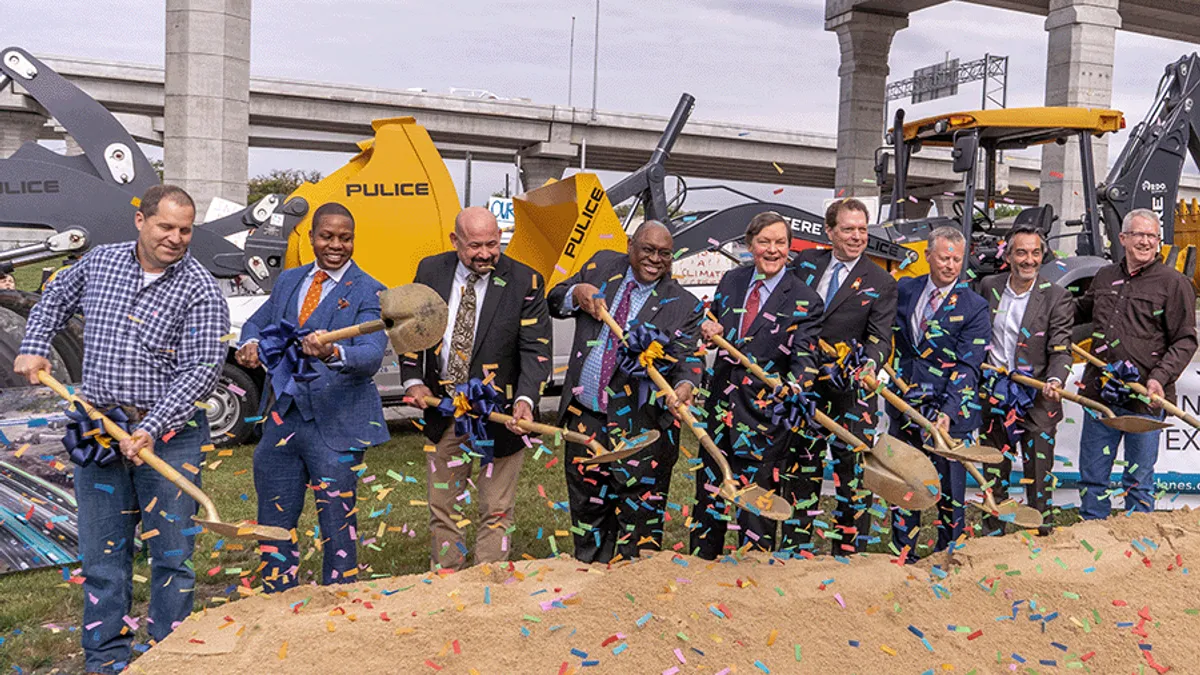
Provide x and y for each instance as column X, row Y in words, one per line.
column 228, row 410
column 66, row 349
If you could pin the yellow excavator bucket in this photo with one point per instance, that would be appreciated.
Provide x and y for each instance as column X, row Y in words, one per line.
column 560, row 226
column 403, row 200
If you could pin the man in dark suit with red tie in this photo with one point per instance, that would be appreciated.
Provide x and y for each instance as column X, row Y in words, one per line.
column 618, row 509
column 860, row 306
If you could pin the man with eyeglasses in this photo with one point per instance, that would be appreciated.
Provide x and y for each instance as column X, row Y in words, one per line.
column 618, row 509
column 1144, row 313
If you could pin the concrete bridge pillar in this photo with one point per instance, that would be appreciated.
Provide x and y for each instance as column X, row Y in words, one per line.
column 207, row 105
column 1079, row 66
column 865, row 39
column 18, row 128
column 545, row 161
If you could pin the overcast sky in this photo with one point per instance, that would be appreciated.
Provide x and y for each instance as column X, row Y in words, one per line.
column 760, row 62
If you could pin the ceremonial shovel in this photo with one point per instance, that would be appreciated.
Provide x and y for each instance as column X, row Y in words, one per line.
column 951, row 448
column 1009, row 510
column 1138, row 387
column 211, row 521
column 1128, row 423
column 753, row 497
column 893, row 469
column 624, row 449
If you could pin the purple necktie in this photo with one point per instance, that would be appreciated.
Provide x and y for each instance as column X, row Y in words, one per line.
column 608, row 363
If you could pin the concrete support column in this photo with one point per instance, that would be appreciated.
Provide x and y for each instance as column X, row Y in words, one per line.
column 18, row 128
column 545, row 161
column 207, row 105
column 72, row 148
column 1079, row 66
column 865, row 39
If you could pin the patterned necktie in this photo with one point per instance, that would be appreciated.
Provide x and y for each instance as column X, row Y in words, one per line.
column 752, row 302
column 462, row 340
column 608, row 363
column 835, row 281
column 313, row 297
column 930, row 309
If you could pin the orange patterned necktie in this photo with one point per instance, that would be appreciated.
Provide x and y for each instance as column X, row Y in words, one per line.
column 313, row 297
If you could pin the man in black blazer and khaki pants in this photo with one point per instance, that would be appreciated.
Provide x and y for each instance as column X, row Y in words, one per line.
column 860, row 305
column 618, row 509
column 497, row 327
column 1031, row 334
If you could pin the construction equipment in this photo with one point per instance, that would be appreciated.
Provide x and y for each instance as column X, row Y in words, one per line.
column 1126, row 423
column 1146, row 174
column 211, row 520
column 892, row 469
column 751, row 497
column 1139, row 388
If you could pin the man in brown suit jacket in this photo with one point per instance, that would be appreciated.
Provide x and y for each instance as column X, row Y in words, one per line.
column 1031, row 334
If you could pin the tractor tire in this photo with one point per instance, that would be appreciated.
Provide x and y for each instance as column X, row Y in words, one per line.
column 235, row 398
column 66, row 349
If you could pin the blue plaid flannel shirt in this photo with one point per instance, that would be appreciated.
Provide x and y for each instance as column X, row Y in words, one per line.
column 156, row 348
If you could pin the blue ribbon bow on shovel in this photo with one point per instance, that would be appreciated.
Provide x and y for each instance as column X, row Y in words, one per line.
column 851, row 358
column 1113, row 377
column 470, row 406
column 1011, row 396
column 83, row 440
column 642, row 347
column 288, row 365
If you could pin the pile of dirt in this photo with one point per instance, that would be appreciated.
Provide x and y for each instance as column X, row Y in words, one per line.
column 1103, row 597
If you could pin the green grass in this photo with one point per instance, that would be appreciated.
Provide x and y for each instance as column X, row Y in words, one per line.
column 29, row 277
column 38, row 609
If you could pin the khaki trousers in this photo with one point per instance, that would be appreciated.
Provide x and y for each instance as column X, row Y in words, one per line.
column 449, row 470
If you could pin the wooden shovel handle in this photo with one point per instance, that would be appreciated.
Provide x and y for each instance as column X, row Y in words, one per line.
column 352, row 331
column 891, row 397
column 772, row 381
column 1069, row 395
column 145, row 454
column 1169, row 406
column 661, row 382
column 537, row 428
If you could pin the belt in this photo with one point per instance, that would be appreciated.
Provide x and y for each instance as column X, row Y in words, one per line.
column 135, row 415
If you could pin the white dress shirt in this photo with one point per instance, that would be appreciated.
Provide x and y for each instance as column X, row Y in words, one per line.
column 768, row 287
column 1006, row 327
column 914, row 322
column 827, row 276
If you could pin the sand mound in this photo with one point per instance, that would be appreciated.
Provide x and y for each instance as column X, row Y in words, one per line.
column 1109, row 596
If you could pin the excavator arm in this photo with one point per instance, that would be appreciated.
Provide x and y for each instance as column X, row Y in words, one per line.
column 1147, row 172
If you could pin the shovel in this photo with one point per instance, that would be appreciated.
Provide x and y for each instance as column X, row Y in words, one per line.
column 1138, row 387
column 1127, row 423
column 625, row 448
column 893, row 469
column 953, row 448
column 1009, row 510
column 212, row 522
column 753, row 497
column 413, row 315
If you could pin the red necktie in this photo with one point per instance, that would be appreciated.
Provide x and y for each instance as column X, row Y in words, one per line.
column 313, row 297
column 752, row 302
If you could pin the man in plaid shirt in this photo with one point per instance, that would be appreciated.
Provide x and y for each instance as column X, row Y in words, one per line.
column 153, row 322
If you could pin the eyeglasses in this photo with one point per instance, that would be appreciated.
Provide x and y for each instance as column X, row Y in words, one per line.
column 1148, row 236
column 651, row 252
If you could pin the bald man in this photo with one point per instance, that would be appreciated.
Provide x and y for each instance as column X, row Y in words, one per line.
column 498, row 332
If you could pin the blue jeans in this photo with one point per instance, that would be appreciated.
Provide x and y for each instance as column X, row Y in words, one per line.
column 1097, row 450
column 111, row 502
column 282, row 474
column 950, row 506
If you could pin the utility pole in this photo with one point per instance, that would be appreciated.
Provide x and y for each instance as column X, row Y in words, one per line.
column 571, row 69
column 596, row 62
column 467, row 181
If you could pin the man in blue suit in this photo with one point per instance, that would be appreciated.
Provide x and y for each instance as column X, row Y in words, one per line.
column 943, row 329
column 317, row 430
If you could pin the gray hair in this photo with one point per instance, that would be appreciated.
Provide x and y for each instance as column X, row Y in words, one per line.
column 1147, row 214
column 949, row 233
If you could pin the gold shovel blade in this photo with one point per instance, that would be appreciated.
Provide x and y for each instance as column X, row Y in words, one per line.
column 626, row 448
column 1014, row 512
column 758, row 500
column 1132, row 424
column 901, row 474
column 415, row 315
column 979, row 454
column 245, row 530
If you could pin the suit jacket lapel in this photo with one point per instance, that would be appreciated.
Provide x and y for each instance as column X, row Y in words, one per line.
column 290, row 308
column 910, row 307
column 822, row 263
column 848, row 286
column 497, row 283
column 731, row 320
column 994, row 294
column 774, row 302
column 444, row 284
